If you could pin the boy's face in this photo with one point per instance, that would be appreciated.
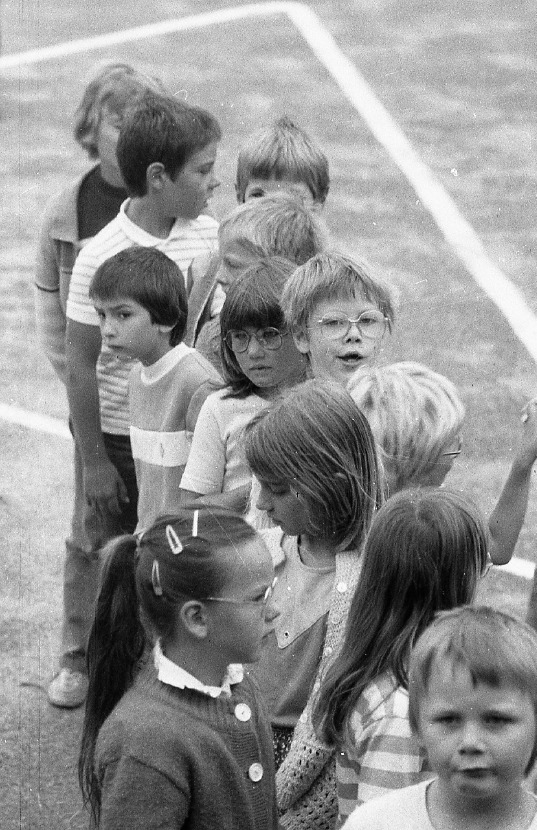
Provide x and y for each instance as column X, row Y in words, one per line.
column 128, row 332
column 256, row 188
column 479, row 738
column 188, row 194
column 338, row 359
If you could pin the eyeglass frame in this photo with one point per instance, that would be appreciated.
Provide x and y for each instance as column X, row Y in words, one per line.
column 259, row 337
column 354, row 321
column 264, row 601
column 453, row 453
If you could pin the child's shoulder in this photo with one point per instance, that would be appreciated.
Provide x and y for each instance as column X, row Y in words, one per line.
column 407, row 803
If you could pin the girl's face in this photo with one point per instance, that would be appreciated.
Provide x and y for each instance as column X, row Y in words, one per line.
column 285, row 506
column 270, row 369
column 106, row 142
column 243, row 613
column 479, row 738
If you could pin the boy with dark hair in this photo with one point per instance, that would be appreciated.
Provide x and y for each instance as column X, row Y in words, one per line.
column 166, row 154
column 140, row 299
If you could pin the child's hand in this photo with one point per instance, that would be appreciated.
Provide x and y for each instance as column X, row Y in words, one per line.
column 527, row 451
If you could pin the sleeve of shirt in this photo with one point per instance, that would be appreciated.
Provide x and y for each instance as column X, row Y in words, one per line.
column 138, row 797
column 205, row 468
column 384, row 757
column 79, row 305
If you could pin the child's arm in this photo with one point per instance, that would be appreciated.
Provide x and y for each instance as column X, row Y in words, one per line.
column 102, row 483
column 507, row 518
column 137, row 797
column 50, row 316
column 385, row 756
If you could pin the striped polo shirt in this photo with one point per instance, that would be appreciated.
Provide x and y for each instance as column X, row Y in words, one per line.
column 187, row 239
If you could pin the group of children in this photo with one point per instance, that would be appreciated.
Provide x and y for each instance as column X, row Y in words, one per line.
column 273, row 641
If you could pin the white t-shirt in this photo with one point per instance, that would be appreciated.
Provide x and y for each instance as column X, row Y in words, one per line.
column 404, row 809
column 217, row 463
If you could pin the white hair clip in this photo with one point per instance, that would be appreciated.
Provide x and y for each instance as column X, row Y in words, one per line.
column 173, row 540
column 155, row 579
column 195, row 523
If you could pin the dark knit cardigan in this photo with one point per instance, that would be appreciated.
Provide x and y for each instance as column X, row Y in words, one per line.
column 168, row 758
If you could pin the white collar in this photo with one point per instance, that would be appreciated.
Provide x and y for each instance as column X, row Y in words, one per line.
column 173, row 675
column 156, row 371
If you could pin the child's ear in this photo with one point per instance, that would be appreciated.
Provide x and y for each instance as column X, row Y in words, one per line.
column 300, row 336
column 194, row 619
column 155, row 176
column 163, row 329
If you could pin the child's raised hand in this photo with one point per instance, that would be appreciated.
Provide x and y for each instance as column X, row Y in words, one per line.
column 527, row 451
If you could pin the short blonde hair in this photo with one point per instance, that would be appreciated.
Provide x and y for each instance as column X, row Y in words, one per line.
column 114, row 86
column 283, row 151
column 279, row 225
column 333, row 275
column 414, row 414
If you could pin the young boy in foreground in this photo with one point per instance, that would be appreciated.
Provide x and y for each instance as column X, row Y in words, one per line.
column 473, row 704
column 140, row 299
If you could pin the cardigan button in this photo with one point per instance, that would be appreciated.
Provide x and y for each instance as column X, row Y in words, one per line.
column 303, row 718
column 341, row 587
column 255, row 772
column 328, row 651
column 243, row 712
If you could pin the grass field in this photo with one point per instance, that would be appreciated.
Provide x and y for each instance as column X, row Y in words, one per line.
column 460, row 82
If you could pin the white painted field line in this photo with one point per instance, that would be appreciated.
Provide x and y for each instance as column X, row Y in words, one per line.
column 33, row 420
column 457, row 231
column 165, row 27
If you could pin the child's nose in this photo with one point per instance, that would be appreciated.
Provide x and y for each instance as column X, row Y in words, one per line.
column 471, row 738
column 254, row 346
column 272, row 612
column 107, row 327
column 263, row 500
column 354, row 332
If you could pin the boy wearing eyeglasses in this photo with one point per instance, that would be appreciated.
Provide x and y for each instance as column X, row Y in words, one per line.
column 339, row 314
column 140, row 298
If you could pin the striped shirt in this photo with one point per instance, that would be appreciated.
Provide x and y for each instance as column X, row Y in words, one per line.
column 384, row 754
column 186, row 240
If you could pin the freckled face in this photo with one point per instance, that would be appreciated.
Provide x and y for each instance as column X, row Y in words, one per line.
column 338, row 359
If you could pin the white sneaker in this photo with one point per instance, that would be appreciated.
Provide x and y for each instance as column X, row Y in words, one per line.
column 68, row 689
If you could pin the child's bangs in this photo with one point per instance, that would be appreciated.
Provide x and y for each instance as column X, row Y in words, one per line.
column 254, row 309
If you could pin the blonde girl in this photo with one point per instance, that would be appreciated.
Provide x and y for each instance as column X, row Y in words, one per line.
column 181, row 741
column 314, row 456
column 425, row 552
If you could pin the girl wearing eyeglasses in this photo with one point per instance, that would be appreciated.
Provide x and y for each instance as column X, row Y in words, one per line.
column 180, row 740
column 259, row 361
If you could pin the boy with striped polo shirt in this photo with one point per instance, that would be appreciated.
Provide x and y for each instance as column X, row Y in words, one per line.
column 141, row 303
column 166, row 154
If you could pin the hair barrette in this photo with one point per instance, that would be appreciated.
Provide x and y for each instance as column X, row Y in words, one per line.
column 173, row 540
column 155, row 579
column 195, row 523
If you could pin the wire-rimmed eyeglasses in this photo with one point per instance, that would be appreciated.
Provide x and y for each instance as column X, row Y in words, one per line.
column 259, row 601
column 270, row 338
column 371, row 325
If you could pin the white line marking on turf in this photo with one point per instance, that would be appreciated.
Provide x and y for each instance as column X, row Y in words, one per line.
column 33, row 420
column 457, row 231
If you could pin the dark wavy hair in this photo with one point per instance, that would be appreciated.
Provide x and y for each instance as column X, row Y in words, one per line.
column 425, row 552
